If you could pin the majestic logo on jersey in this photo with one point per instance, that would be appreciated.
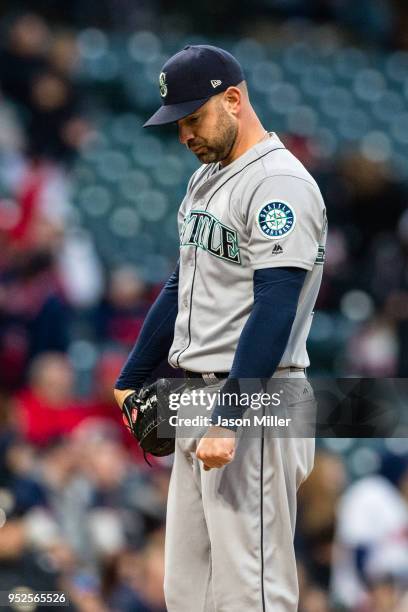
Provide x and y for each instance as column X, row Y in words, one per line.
column 276, row 219
column 205, row 231
column 277, row 249
column 163, row 84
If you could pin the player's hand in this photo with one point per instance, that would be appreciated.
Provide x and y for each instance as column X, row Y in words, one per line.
column 216, row 448
column 121, row 395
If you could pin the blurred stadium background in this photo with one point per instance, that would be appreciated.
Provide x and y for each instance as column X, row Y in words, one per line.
column 88, row 204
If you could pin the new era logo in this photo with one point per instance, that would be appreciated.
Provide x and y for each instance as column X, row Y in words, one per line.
column 216, row 83
column 277, row 249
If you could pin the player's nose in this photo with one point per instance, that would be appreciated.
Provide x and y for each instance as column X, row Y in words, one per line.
column 185, row 134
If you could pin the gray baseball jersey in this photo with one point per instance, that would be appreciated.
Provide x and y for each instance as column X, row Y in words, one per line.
column 264, row 210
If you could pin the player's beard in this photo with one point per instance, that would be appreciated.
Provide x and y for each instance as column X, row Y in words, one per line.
column 219, row 147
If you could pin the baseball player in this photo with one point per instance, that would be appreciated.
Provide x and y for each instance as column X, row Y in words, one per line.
column 238, row 306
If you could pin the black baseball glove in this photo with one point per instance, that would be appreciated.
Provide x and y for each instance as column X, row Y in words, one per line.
column 147, row 410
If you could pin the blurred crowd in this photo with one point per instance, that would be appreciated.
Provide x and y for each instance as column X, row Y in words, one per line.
column 80, row 512
column 79, row 509
column 352, row 537
column 382, row 22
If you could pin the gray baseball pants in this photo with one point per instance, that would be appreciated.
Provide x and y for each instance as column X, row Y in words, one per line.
column 229, row 531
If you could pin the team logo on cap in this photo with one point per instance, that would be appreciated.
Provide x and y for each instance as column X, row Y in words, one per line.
column 163, row 84
column 276, row 219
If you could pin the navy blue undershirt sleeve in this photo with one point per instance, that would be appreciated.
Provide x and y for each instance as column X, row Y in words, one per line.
column 155, row 338
column 266, row 333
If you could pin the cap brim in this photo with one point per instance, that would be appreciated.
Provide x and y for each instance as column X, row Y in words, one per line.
column 169, row 113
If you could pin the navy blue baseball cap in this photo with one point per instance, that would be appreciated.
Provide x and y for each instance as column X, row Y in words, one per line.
column 190, row 78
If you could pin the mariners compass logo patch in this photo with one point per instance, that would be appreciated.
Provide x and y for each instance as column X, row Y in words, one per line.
column 276, row 219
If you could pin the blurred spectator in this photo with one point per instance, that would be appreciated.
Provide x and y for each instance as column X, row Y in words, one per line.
column 34, row 315
column 23, row 502
column 106, row 372
column 35, row 73
column 120, row 315
column 101, row 400
column 80, row 269
column 42, row 267
column 71, row 510
column 118, row 483
column 47, row 407
column 135, row 582
column 20, row 490
column 373, row 349
column 23, row 57
column 46, row 222
column 318, row 500
column 371, row 549
column 55, row 129
column 356, row 189
column 63, row 54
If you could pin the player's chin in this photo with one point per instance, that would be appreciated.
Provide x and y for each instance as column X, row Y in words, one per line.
column 206, row 157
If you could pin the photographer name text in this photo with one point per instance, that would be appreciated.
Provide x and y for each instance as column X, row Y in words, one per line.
column 205, row 421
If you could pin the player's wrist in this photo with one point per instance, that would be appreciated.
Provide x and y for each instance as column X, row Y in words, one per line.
column 221, row 431
column 121, row 395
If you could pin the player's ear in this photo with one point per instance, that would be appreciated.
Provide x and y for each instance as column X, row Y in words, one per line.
column 232, row 99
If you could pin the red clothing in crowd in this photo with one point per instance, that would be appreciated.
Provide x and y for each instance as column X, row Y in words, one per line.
column 39, row 421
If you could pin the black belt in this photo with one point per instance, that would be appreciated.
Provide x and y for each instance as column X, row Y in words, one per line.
column 221, row 375
column 189, row 374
